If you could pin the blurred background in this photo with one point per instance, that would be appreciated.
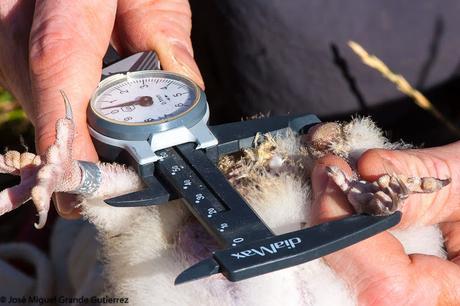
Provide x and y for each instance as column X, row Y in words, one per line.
column 16, row 133
column 279, row 57
column 290, row 57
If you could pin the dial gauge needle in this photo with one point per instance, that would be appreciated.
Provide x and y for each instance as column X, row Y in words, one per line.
column 142, row 101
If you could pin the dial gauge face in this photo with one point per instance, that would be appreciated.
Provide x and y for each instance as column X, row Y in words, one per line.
column 146, row 100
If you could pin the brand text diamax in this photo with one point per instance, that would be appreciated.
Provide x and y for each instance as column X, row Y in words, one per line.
column 272, row 248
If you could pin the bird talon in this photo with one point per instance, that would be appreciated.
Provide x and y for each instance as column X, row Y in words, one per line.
column 42, row 176
column 42, row 217
column 68, row 107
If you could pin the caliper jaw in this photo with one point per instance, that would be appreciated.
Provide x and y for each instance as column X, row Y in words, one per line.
column 278, row 252
column 235, row 136
column 154, row 194
column 138, row 155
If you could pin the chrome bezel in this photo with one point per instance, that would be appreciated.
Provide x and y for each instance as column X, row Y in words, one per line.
column 142, row 130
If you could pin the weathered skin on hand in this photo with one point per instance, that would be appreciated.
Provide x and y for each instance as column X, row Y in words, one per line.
column 381, row 197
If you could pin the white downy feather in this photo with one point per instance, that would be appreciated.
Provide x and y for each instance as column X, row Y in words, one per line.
column 142, row 254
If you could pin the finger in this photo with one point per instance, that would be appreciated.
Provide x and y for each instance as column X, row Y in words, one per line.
column 378, row 269
column 451, row 234
column 67, row 43
column 68, row 205
column 163, row 26
column 326, row 192
column 441, row 162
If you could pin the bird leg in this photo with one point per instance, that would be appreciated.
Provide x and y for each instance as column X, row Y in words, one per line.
column 42, row 175
column 57, row 171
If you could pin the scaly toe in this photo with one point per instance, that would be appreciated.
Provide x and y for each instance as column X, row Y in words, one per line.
column 27, row 159
column 431, row 184
column 12, row 159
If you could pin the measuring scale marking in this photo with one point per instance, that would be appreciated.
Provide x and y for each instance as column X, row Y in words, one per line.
column 162, row 101
column 193, row 190
column 210, row 208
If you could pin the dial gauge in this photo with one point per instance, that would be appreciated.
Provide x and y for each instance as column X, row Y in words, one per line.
column 144, row 98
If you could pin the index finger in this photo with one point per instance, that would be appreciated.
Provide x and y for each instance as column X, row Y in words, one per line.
column 163, row 26
column 67, row 43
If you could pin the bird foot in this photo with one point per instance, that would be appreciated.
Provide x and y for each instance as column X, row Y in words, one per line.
column 43, row 175
column 385, row 195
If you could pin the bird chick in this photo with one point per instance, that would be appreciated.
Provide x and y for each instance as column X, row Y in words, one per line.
column 145, row 248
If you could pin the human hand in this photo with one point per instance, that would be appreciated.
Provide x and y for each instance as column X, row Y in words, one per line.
column 52, row 45
column 377, row 269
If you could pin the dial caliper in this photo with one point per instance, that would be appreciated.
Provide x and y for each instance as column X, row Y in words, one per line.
column 157, row 122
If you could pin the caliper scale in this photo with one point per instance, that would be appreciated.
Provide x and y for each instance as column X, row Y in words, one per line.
column 157, row 122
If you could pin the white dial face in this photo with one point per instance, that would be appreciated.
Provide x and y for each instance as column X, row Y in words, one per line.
column 145, row 100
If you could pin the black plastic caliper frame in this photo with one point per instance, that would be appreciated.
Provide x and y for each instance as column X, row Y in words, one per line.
column 249, row 247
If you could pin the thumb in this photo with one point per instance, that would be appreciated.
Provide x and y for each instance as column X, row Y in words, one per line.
column 163, row 26
column 440, row 162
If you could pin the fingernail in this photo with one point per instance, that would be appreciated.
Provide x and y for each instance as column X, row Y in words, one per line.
column 320, row 180
column 187, row 63
column 65, row 203
column 329, row 202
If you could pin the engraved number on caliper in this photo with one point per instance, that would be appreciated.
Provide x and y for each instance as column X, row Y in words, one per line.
column 211, row 211
column 187, row 183
column 199, row 197
column 237, row 240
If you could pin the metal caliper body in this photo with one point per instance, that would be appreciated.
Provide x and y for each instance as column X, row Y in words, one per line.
column 248, row 246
